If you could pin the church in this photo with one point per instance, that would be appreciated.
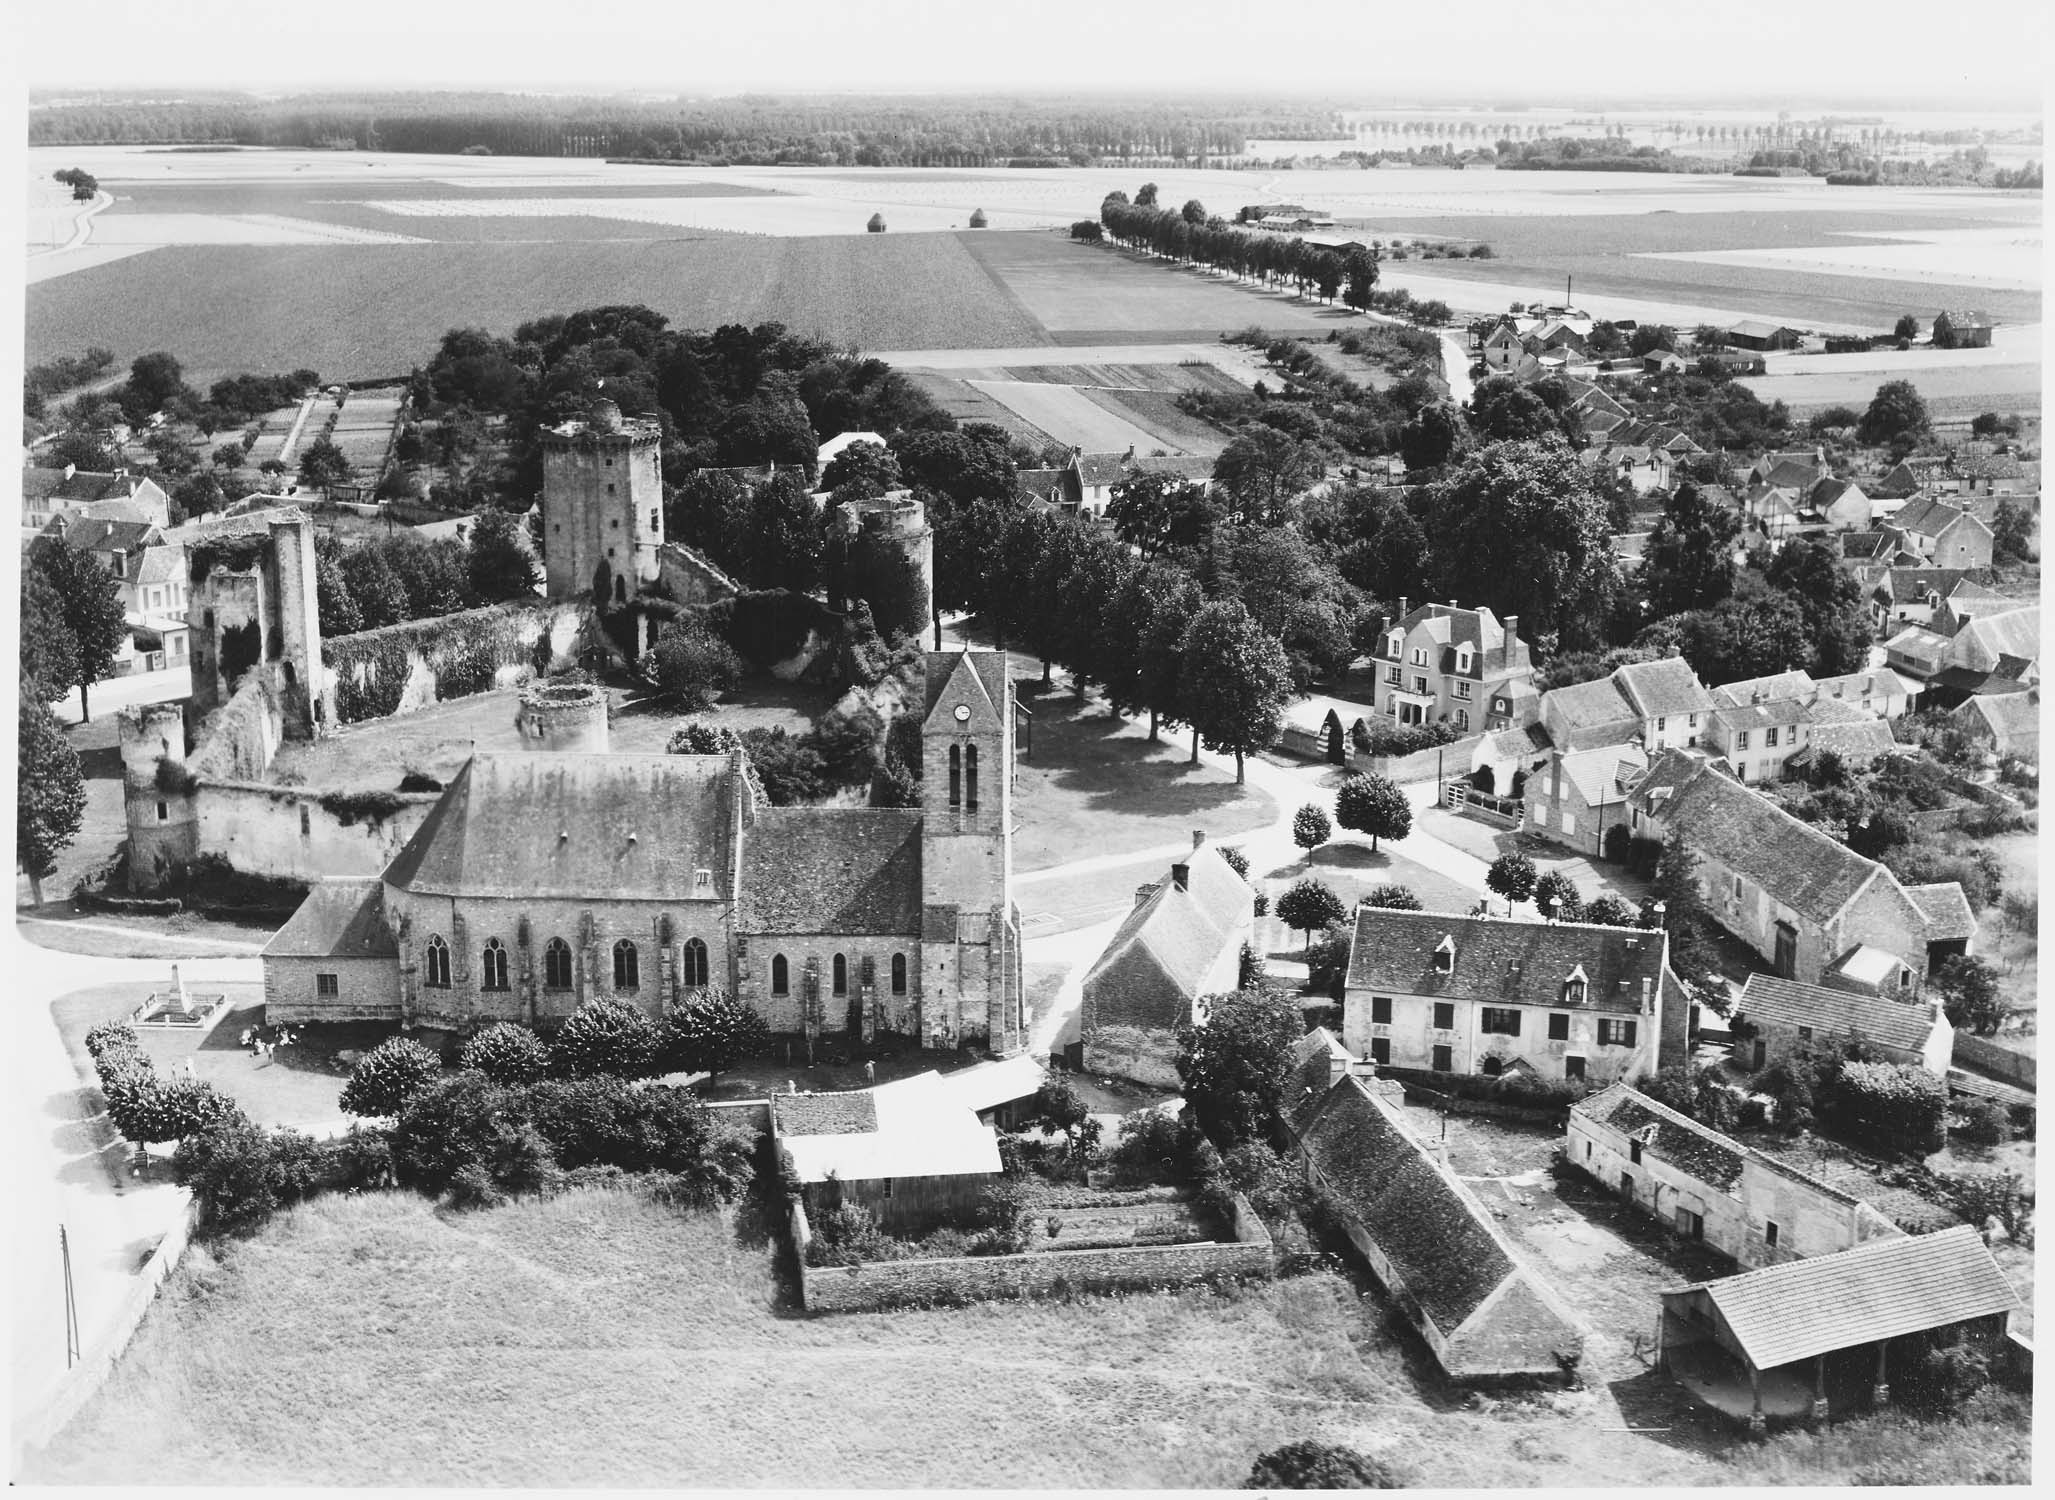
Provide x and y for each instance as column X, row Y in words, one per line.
column 543, row 879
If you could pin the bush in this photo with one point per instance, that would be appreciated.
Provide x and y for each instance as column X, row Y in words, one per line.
column 227, row 1167
column 1894, row 1105
column 606, row 1036
column 1610, row 911
column 1986, row 1124
column 1389, row 737
column 1147, row 1149
column 388, row 1075
column 1939, row 1377
column 690, row 668
column 1309, row 1465
column 506, row 1053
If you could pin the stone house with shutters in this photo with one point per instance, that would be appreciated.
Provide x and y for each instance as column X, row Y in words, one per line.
column 1464, row 994
column 1710, row 1188
column 1803, row 900
column 540, row 881
column 1444, row 663
column 1786, row 1015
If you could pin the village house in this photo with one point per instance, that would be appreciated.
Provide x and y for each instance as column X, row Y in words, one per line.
column 1444, row 663
column 1577, row 795
column 1901, row 596
column 1710, row 1188
column 2007, row 724
column 1858, row 738
column 1941, row 535
column 1967, row 600
column 1838, row 504
column 1792, row 1341
column 47, row 494
column 1985, row 640
column 1739, row 362
column 1431, row 1246
column 1642, row 468
column 1803, row 900
column 1783, row 1015
column 1798, row 468
column 1758, row 736
column 1656, row 704
column 1466, row 994
column 1663, row 362
column 1182, row 942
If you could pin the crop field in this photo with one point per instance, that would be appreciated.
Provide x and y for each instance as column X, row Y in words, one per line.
column 966, row 403
column 1069, row 415
column 1963, row 389
column 1156, row 413
column 364, row 427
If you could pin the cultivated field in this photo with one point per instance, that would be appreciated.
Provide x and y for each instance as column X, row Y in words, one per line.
column 1947, row 392
column 1069, row 415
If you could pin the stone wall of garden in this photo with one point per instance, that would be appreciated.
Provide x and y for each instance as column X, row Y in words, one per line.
column 959, row 1279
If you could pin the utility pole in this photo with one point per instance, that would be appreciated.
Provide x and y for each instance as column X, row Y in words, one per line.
column 72, row 1350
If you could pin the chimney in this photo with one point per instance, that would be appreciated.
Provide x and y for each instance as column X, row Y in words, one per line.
column 1198, row 837
column 1755, row 695
column 1647, row 1004
column 1143, row 893
column 1403, row 611
column 1181, row 876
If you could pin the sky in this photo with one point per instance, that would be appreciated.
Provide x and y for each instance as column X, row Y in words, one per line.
column 1537, row 51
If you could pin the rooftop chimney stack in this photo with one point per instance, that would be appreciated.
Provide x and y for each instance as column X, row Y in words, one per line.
column 1143, row 893
column 1198, row 837
column 1181, row 876
column 1647, row 1004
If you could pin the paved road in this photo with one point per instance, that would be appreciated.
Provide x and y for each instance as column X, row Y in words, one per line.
column 69, row 1172
column 125, row 692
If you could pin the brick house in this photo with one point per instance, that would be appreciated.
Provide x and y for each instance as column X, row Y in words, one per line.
column 1804, row 901
column 1788, row 1015
column 1463, row 994
column 1182, row 941
column 1449, row 1271
column 1710, row 1188
column 1444, row 663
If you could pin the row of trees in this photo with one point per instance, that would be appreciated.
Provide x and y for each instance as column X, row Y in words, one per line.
column 386, row 581
column 1195, row 237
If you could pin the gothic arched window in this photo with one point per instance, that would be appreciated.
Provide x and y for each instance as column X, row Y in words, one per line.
column 495, row 977
column 556, row 965
column 899, row 973
column 841, row 975
column 970, row 778
column 627, row 967
column 438, row 977
column 695, row 964
column 781, row 976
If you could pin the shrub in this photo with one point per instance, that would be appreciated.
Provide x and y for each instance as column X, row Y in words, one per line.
column 388, row 1076
column 1148, row 1147
column 606, row 1036
column 1236, row 860
column 1939, row 1377
column 1610, row 911
column 111, row 1040
column 227, row 1167
column 506, row 1053
column 1986, row 1124
column 1898, row 1106
column 1389, row 737
column 1391, row 898
column 1309, row 1465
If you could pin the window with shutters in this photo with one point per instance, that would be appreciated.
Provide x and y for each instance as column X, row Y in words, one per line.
column 1558, row 1028
column 1380, row 1049
column 1615, row 1033
column 1444, row 1059
column 1444, row 1015
column 1501, row 1020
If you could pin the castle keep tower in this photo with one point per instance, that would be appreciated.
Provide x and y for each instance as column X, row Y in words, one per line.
column 252, row 607
column 602, row 505
column 970, row 931
column 888, row 559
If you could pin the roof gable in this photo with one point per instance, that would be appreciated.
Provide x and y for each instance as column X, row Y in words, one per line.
column 1787, row 1002
column 339, row 919
column 975, row 680
column 1663, row 687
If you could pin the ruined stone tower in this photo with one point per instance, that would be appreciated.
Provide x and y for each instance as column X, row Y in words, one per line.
column 602, row 505
column 252, row 607
column 888, row 558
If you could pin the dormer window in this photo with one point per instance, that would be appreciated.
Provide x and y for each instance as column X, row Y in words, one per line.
column 1462, row 658
column 1445, row 956
column 1576, row 987
column 1395, row 644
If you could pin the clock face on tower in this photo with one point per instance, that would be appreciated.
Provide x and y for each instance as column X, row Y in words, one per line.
column 963, row 713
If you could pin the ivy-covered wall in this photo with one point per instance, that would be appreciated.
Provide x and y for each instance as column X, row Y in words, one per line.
column 403, row 667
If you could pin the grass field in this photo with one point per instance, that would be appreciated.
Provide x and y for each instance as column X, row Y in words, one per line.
column 1971, row 388
column 594, row 1339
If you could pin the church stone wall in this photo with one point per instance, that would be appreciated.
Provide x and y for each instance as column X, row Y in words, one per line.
column 899, row 1014
column 287, row 833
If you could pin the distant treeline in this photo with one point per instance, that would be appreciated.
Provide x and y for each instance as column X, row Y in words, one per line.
column 756, row 130
column 1598, row 154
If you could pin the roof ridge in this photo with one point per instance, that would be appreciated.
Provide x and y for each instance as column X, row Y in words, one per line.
column 1867, row 1248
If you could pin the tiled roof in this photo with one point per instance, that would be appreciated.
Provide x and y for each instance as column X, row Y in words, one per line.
column 1862, row 738
column 831, row 870
column 159, row 565
column 580, row 827
column 1666, row 686
column 1827, row 491
column 1771, row 711
column 977, row 677
column 1103, row 468
column 339, row 919
column 1598, row 774
column 94, row 534
column 1882, row 1290
column 1898, row 481
column 82, row 484
column 1756, row 328
column 1587, row 705
column 1859, row 685
column 1167, row 945
column 1503, row 961
column 1837, row 1012
column 1930, row 516
column 1703, row 1152
column 2014, row 632
column 852, row 1113
column 2007, row 714
column 1866, row 545
column 1043, row 484
column 1918, row 641
column 1317, row 1058
column 1793, row 861
column 1791, row 684
column 1786, row 475
column 1947, row 909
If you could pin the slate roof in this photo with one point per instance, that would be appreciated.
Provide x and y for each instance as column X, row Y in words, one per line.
column 1864, row 545
column 1043, row 484
column 533, row 825
column 1315, row 1057
column 1859, row 685
column 1503, row 961
column 1722, row 820
column 1862, row 738
column 81, row 485
column 1929, row 515
column 1882, row 1290
column 1680, row 1140
column 1791, row 684
column 832, row 870
column 1103, row 468
column 1160, row 955
column 1787, row 475
column 1947, row 909
column 988, row 694
column 96, row 534
column 2009, row 715
column 1898, row 482
column 339, row 919
column 852, row 1113
column 1786, row 1002
column 1982, row 641
column 1589, row 705
column 1771, row 711
column 159, row 565
column 1598, row 774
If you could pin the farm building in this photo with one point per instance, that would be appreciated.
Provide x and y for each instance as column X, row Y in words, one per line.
column 1430, row 1244
column 2006, row 723
column 1916, row 652
column 912, row 1152
column 1962, row 330
column 1466, row 994
column 1709, row 1187
column 1795, row 1340
column 1762, row 337
column 1783, row 1015
column 1182, row 941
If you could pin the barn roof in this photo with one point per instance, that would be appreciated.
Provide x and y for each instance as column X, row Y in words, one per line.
column 1882, row 1290
column 1787, row 1002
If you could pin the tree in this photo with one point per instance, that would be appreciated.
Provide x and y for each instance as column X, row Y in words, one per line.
column 785, row 541
column 1308, row 906
column 1145, row 196
column 335, row 607
column 197, row 494
column 1234, row 1063
column 228, row 456
column 697, row 737
column 371, row 582
column 90, row 599
column 1609, row 911
column 1503, row 409
column 1896, row 415
column 1556, row 887
column 1193, row 212
column 1391, row 898
column 507, row 1054
column 1688, row 561
column 1675, row 887
column 154, row 380
column 690, row 668
column 1433, row 436
column 1519, row 528
column 1157, row 513
column 2012, row 533
column 1648, row 338
column 387, row 1076
column 1837, row 624
column 323, row 463
column 1969, row 994
column 49, row 789
column 1511, row 876
column 863, row 469
column 499, row 565
column 606, row 1037
column 1234, row 682
column 1374, row 805
column 1090, row 231
column 711, row 1031
column 1759, row 631
column 49, row 655
column 1310, row 1465
column 1261, row 470
column 1060, row 1107
column 1311, row 827
column 1907, row 327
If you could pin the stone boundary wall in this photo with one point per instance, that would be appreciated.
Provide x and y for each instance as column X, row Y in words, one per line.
column 953, row 1280
column 421, row 642
column 1421, row 765
column 257, row 828
column 1988, row 1057
column 692, row 577
column 79, row 1384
